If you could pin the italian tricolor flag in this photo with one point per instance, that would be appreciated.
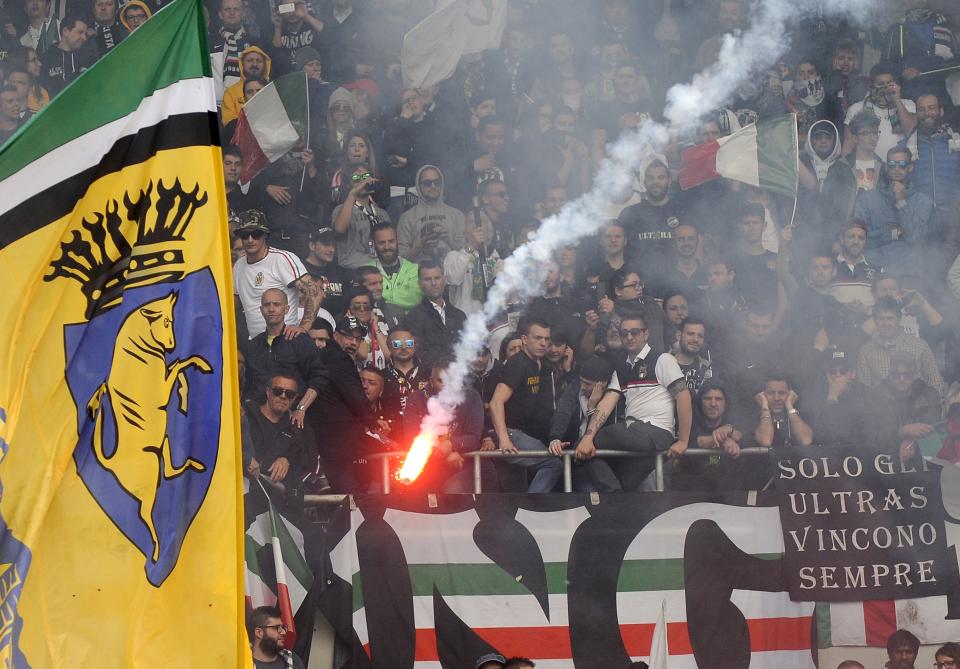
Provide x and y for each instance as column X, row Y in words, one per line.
column 765, row 154
column 274, row 548
column 443, row 560
column 271, row 122
column 870, row 623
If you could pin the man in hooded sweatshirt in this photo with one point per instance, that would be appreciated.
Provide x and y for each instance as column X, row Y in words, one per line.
column 824, row 202
column 67, row 60
column 134, row 14
column 432, row 228
column 254, row 62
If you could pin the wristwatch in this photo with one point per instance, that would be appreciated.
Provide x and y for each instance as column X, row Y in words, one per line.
column 301, row 408
column 790, row 412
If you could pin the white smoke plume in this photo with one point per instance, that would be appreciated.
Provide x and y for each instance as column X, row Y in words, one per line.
column 741, row 57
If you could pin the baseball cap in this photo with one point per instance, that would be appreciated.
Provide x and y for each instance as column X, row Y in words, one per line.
column 325, row 235
column 349, row 325
column 252, row 219
column 489, row 657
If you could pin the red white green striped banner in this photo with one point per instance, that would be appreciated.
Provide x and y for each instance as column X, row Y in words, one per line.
column 271, row 123
column 764, row 154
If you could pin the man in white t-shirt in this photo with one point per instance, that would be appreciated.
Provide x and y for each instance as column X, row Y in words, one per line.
column 898, row 117
column 263, row 267
column 653, row 387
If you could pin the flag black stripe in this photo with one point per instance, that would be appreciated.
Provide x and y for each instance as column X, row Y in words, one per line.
column 51, row 204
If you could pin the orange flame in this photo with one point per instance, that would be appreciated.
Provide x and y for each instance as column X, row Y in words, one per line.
column 416, row 458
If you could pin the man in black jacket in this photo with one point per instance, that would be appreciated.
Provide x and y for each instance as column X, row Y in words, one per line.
column 271, row 352
column 434, row 322
column 341, row 416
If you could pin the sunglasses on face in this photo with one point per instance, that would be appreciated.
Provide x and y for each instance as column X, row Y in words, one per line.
column 632, row 332
column 360, row 177
column 361, row 307
column 255, row 234
column 902, row 164
column 284, row 392
column 403, row 343
column 431, row 183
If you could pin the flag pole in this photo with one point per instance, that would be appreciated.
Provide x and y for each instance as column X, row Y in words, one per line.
column 306, row 141
column 796, row 182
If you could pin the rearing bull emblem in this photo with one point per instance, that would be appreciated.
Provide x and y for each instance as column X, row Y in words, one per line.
column 139, row 388
column 147, row 386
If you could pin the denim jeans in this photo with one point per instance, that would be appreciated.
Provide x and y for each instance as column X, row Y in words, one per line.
column 548, row 468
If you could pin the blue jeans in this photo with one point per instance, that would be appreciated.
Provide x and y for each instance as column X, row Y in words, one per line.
column 548, row 468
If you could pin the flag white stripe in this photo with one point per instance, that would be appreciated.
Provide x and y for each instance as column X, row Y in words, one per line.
column 260, row 529
column 737, row 157
column 259, row 592
column 633, row 608
column 183, row 97
column 270, row 123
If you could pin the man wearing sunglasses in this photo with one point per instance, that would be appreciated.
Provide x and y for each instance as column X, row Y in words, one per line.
column 264, row 267
column 280, row 448
column 270, row 353
column 897, row 216
column 431, row 228
column 267, row 632
column 405, row 375
column 654, row 389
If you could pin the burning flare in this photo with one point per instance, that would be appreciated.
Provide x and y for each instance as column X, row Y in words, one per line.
column 417, row 457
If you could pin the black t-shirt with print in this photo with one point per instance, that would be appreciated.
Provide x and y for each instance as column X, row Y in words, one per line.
column 522, row 375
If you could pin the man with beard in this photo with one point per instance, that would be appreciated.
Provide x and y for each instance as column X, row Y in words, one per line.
column 696, row 369
column 654, row 390
column 902, row 649
column 855, row 274
column 431, row 228
column 650, row 225
column 845, row 84
column 828, row 183
column 253, row 62
column 404, row 373
column 400, row 283
column 936, row 173
column 780, row 424
column 897, row 116
column 712, row 429
column 435, row 322
column 267, row 633
column 897, row 216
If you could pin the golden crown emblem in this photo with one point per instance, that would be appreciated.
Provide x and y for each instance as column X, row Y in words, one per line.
column 105, row 262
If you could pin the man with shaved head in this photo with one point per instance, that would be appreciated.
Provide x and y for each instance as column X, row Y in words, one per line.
column 271, row 353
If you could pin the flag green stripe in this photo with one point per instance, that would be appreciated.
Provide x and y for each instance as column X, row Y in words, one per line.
column 292, row 90
column 491, row 580
column 777, row 155
column 824, row 636
column 168, row 48
column 293, row 559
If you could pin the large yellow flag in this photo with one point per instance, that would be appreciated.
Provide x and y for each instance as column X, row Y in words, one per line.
column 120, row 516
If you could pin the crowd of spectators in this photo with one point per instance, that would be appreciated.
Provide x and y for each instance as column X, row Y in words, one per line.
column 720, row 317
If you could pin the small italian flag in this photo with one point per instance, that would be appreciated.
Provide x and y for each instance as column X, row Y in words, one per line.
column 870, row 623
column 277, row 573
column 765, row 154
column 271, row 122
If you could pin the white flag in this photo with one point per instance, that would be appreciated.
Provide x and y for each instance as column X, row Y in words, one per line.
column 658, row 646
column 433, row 47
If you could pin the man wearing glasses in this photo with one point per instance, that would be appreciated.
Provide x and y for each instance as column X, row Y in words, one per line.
column 267, row 634
column 896, row 116
column 654, row 388
column 897, row 216
column 280, row 449
column 405, row 374
column 264, row 267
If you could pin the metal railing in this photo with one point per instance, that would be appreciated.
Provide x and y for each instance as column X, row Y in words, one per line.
column 567, row 457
